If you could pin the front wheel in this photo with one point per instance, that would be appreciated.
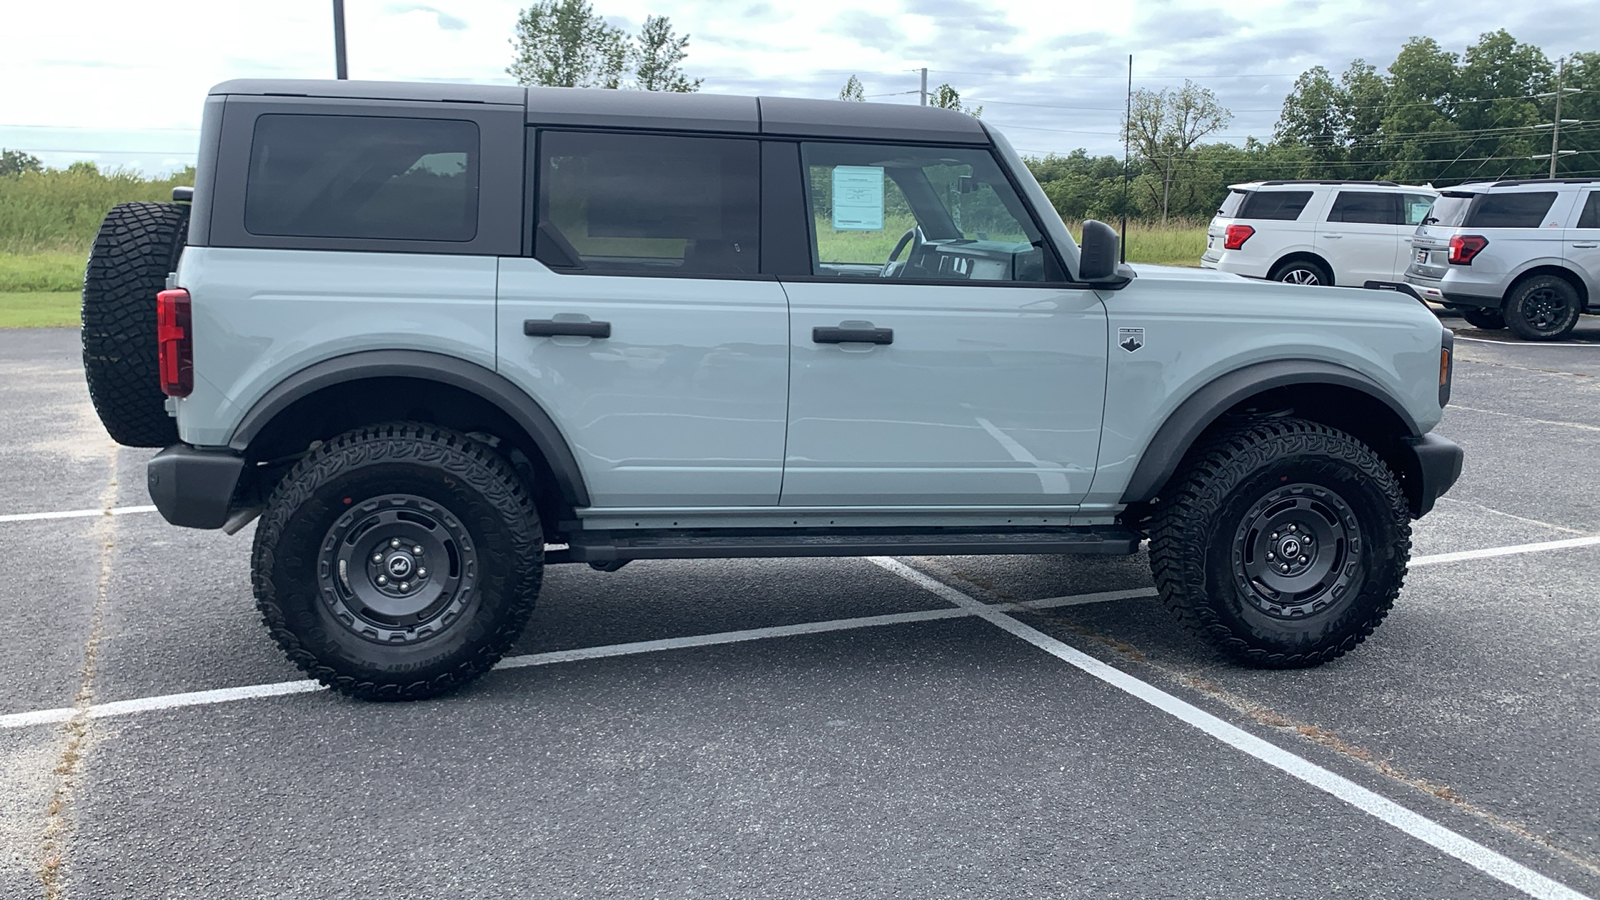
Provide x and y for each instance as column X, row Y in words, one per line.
column 1487, row 319
column 398, row 562
column 1284, row 543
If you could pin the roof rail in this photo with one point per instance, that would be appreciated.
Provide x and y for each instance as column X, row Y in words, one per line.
column 1335, row 181
column 1515, row 181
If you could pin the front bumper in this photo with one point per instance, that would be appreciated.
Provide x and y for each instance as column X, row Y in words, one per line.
column 1433, row 464
column 192, row 487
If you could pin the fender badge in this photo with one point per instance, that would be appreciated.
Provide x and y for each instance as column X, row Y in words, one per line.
column 1130, row 339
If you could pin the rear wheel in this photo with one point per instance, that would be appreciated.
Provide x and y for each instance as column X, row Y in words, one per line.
column 398, row 562
column 1487, row 319
column 1284, row 543
column 1543, row 308
column 1302, row 271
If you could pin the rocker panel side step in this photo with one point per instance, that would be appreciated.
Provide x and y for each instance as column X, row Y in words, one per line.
column 621, row 546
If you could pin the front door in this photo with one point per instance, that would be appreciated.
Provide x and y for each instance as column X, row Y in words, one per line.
column 937, row 356
column 1583, row 243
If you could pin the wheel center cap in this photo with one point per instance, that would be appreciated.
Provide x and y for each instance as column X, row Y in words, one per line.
column 1289, row 547
column 400, row 565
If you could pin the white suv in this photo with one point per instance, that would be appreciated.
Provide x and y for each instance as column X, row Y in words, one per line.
column 1316, row 232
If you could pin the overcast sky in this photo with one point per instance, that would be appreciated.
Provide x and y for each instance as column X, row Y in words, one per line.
column 122, row 82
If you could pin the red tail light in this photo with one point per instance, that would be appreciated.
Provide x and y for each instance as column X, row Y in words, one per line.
column 1463, row 247
column 176, row 342
column 1236, row 236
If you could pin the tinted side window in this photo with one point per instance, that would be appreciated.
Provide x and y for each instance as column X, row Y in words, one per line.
column 1591, row 212
column 1281, row 205
column 1368, row 207
column 1231, row 203
column 1511, row 210
column 363, row 177
column 648, row 204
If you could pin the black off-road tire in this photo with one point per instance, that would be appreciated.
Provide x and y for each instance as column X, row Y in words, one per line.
column 1487, row 319
column 1543, row 308
column 137, row 246
column 317, row 581
column 1302, row 271
column 1207, row 540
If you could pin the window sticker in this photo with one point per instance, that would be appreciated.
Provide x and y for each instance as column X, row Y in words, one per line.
column 858, row 198
column 1419, row 211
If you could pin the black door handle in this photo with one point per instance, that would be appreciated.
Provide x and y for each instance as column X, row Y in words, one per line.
column 822, row 335
column 553, row 328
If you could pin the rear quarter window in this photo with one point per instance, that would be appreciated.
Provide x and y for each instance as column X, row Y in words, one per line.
column 1284, row 206
column 1231, row 203
column 1522, row 209
column 363, row 177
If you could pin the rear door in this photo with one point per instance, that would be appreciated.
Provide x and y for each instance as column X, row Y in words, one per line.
column 938, row 356
column 643, row 324
column 1583, row 243
column 1360, row 236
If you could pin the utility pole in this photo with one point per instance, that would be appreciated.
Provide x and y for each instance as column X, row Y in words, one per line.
column 924, row 91
column 340, row 68
column 1555, row 126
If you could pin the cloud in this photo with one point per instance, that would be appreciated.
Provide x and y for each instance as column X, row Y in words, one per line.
column 446, row 21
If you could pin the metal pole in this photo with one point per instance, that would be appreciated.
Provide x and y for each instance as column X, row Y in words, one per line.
column 1555, row 131
column 924, row 90
column 340, row 67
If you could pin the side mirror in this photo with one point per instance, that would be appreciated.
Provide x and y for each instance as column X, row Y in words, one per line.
column 1097, row 255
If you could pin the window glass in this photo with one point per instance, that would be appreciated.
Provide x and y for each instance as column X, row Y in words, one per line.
column 363, row 177
column 1450, row 210
column 649, row 204
column 1591, row 211
column 1280, row 205
column 1231, row 203
column 917, row 213
column 1367, row 207
column 1416, row 207
column 1507, row 209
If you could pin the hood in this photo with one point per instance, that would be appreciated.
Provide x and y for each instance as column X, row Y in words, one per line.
column 1210, row 281
column 1185, row 273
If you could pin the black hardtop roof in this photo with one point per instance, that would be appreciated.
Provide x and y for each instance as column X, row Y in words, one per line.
column 589, row 107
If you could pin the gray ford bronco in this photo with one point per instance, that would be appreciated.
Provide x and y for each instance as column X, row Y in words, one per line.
column 438, row 337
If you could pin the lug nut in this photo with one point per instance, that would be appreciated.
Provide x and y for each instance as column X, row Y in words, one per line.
column 405, row 586
column 1286, row 567
column 382, row 579
column 422, row 573
column 394, row 542
column 1271, row 556
column 417, row 549
column 377, row 557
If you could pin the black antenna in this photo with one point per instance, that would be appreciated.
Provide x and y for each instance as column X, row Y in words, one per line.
column 1127, row 123
column 340, row 68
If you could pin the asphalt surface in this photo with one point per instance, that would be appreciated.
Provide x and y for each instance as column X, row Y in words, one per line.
column 933, row 758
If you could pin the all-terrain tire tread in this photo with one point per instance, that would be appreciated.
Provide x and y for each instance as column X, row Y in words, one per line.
column 474, row 463
column 1178, row 533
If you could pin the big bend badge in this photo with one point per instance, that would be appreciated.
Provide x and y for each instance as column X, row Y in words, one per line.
column 1130, row 339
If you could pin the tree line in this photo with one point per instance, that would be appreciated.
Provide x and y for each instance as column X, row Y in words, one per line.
column 1432, row 116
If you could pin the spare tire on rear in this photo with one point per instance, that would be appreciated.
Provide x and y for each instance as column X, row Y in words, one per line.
column 137, row 246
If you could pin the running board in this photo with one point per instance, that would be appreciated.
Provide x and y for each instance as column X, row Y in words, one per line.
column 603, row 547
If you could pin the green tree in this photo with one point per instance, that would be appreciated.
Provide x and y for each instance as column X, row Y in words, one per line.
column 853, row 90
column 1316, row 115
column 656, row 56
column 1165, row 127
column 564, row 43
column 947, row 97
column 15, row 162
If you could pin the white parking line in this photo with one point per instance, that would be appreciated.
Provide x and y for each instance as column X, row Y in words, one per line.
column 76, row 514
column 1525, row 343
column 1569, row 543
column 1497, row 866
column 1491, row 412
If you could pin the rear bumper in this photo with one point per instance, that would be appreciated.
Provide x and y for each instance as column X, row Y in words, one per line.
column 1437, row 466
column 192, row 487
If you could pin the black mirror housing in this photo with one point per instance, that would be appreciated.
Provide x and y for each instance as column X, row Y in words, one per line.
column 1097, row 256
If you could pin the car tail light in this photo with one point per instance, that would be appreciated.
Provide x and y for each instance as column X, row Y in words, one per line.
column 1235, row 236
column 176, row 342
column 1463, row 247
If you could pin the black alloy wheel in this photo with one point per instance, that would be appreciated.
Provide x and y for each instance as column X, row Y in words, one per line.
column 1543, row 308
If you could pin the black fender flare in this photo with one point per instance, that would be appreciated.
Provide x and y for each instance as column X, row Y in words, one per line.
column 1199, row 410
column 489, row 385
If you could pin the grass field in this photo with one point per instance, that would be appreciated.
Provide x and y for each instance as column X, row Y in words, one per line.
column 38, row 309
column 42, row 270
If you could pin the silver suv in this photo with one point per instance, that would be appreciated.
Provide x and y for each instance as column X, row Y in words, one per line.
column 1524, row 254
column 439, row 337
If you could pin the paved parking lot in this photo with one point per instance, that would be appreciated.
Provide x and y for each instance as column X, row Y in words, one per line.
column 980, row 726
